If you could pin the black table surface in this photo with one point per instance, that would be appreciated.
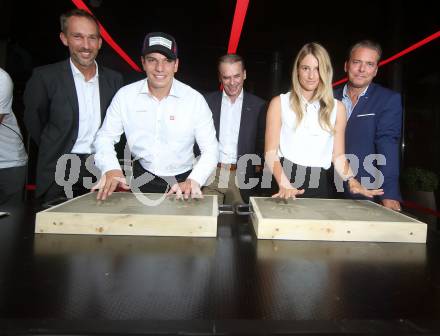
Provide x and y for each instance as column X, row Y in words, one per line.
column 232, row 284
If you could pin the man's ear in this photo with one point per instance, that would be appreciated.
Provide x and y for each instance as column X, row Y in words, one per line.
column 244, row 74
column 345, row 66
column 63, row 39
column 143, row 62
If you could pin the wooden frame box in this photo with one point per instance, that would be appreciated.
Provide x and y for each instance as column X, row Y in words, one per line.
column 126, row 213
column 332, row 220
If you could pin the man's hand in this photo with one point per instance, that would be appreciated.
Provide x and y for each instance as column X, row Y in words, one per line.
column 391, row 204
column 186, row 189
column 288, row 192
column 357, row 188
column 109, row 182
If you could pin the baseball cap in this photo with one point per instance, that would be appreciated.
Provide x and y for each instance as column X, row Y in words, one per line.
column 161, row 43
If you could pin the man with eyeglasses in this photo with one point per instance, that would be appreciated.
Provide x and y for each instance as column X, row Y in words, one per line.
column 374, row 122
column 162, row 118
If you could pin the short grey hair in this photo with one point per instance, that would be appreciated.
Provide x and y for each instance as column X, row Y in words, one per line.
column 231, row 58
column 366, row 44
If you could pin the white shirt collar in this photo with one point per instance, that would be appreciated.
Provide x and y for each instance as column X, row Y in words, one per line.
column 225, row 96
column 174, row 91
column 305, row 102
column 76, row 72
column 345, row 91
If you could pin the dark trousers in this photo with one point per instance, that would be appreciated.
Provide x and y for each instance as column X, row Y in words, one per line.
column 150, row 183
column 314, row 180
column 12, row 182
column 56, row 191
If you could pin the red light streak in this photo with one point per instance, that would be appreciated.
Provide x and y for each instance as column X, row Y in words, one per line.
column 106, row 36
column 400, row 54
column 237, row 25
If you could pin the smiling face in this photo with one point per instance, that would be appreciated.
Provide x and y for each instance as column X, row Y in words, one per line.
column 362, row 67
column 160, row 71
column 83, row 40
column 308, row 75
column 232, row 76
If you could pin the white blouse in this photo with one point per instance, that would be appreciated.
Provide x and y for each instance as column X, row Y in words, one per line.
column 306, row 144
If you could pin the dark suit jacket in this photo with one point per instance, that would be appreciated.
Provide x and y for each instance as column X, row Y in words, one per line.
column 51, row 113
column 251, row 132
column 374, row 127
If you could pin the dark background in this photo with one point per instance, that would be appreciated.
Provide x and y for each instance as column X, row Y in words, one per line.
column 272, row 34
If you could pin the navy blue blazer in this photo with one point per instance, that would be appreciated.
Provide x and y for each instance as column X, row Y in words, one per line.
column 251, row 132
column 374, row 127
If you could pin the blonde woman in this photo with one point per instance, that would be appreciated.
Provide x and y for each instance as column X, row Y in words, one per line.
column 305, row 131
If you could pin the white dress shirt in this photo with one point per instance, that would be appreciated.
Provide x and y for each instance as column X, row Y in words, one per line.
column 161, row 133
column 89, row 110
column 230, row 118
column 306, row 144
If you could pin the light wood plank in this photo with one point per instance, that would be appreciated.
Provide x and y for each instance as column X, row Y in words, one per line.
column 333, row 220
column 124, row 214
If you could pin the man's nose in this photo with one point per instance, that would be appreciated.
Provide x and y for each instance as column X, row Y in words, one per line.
column 86, row 43
column 159, row 66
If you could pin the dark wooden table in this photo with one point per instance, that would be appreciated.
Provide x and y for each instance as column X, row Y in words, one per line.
column 232, row 284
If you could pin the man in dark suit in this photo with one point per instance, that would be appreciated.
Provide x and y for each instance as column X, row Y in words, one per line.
column 65, row 103
column 374, row 122
column 239, row 120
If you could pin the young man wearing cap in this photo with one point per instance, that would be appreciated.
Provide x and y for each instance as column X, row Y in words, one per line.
column 65, row 103
column 161, row 118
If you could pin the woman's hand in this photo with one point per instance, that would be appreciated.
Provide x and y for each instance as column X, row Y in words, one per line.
column 288, row 192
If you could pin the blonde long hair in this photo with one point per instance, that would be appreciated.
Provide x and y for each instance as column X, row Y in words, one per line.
column 324, row 91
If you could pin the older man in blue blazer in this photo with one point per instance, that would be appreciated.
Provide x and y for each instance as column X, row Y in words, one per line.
column 374, row 122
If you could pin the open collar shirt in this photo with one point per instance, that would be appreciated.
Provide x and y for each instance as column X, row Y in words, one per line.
column 230, row 118
column 89, row 110
column 160, row 133
column 346, row 100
